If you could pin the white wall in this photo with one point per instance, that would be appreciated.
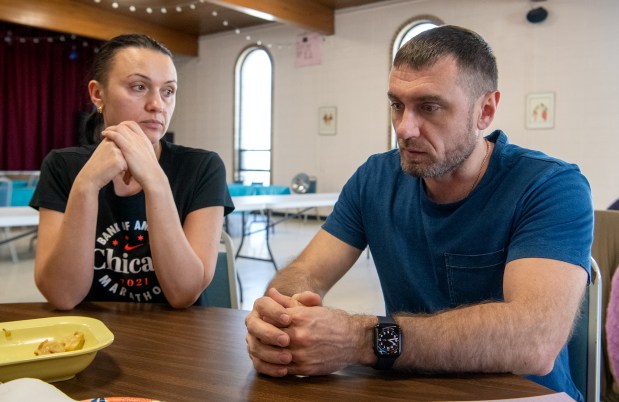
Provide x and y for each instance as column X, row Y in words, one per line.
column 574, row 53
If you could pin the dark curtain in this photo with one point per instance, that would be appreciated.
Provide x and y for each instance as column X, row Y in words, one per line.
column 43, row 92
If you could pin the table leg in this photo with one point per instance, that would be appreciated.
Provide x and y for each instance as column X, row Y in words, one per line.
column 271, row 259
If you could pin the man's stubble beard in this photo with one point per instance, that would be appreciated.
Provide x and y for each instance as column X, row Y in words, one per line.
column 453, row 159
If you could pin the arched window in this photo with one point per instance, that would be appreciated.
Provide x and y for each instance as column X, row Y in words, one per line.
column 408, row 30
column 253, row 117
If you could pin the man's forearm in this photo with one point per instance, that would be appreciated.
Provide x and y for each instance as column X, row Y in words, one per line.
column 294, row 279
column 492, row 337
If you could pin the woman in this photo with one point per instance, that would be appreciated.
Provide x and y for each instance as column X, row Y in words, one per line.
column 152, row 210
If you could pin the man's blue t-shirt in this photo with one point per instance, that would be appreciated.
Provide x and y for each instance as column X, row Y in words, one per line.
column 431, row 257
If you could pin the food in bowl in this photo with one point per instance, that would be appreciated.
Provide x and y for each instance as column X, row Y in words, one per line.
column 68, row 344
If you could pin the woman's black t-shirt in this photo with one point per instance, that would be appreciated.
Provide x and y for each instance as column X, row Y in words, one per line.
column 123, row 267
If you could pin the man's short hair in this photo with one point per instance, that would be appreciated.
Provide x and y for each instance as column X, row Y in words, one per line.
column 473, row 55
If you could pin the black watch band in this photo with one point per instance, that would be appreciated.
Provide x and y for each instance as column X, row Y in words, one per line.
column 387, row 343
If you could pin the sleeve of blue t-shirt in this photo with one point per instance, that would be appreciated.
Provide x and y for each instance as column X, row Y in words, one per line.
column 555, row 220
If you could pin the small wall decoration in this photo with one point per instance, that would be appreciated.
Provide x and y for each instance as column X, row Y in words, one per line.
column 540, row 110
column 308, row 50
column 327, row 120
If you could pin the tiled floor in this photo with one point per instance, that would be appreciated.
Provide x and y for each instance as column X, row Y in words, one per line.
column 358, row 291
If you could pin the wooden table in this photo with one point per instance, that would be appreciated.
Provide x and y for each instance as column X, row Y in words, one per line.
column 199, row 354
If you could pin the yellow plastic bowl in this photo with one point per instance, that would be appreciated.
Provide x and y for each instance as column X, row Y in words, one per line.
column 20, row 339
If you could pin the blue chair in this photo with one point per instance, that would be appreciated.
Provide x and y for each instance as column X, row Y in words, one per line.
column 6, row 194
column 21, row 196
column 222, row 291
column 585, row 345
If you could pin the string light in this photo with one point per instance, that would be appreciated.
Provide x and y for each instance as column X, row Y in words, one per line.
column 10, row 39
column 180, row 7
column 163, row 9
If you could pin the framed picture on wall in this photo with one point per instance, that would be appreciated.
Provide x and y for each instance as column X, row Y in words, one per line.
column 540, row 110
column 327, row 120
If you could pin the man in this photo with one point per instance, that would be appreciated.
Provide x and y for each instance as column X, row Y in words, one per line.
column 482, row 247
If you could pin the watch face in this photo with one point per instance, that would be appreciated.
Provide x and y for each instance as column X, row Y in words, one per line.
column 388, row 341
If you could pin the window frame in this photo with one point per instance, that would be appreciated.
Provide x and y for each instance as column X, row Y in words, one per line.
column 240, row 61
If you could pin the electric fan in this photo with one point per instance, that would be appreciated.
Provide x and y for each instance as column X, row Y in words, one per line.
column 300, row 183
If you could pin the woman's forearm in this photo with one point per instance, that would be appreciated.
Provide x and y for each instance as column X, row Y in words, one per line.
column 184, row 258
column 65, row 248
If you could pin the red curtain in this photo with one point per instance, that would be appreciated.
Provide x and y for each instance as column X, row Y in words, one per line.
column 43, row 92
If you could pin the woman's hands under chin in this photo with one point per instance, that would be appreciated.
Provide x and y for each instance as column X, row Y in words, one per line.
column 106, row 162
column 139, row 153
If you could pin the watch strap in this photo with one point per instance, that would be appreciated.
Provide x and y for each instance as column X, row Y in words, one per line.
column 385, row 362
column 386, row 320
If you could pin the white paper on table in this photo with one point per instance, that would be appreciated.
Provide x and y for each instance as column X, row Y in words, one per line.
column 32, row 390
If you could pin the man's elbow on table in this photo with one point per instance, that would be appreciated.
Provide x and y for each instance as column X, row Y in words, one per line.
column 540, row 359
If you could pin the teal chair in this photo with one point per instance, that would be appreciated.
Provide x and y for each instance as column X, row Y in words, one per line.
column 6, row 194
column 585, row 345
column 6, row 191
column 223, row 290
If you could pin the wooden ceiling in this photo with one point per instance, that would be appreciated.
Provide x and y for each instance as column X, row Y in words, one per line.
column 177, row 23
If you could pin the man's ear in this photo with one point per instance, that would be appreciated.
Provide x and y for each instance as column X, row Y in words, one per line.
column 96, row 93
column 490, row 102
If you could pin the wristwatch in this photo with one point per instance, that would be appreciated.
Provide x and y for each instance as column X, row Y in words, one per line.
column 387, row 342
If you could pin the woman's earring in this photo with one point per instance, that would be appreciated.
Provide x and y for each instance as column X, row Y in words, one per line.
column 100, row 109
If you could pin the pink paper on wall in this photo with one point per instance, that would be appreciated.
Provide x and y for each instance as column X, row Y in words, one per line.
column 308, row 50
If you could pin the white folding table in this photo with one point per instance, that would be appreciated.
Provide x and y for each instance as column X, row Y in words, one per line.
column 268, row 203
column 11, row 217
